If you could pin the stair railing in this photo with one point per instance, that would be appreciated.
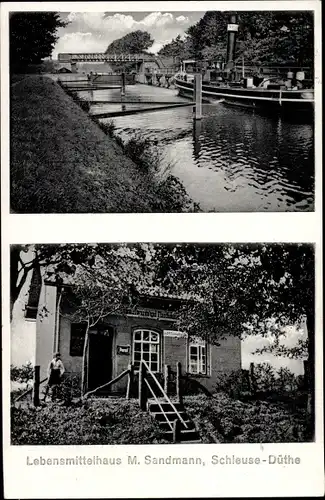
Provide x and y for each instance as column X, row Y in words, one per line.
column 159, row 404
column 107, row 384
column 143, row 379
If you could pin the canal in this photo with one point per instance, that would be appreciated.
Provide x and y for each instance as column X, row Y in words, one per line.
column 232, row 160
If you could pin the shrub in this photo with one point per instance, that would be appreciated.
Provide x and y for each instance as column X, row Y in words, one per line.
column 69, row 389
column 264, row 375
column 138, row 150
column 22, row 374
column 233, row 384
column 107, row 127
column 263, row 381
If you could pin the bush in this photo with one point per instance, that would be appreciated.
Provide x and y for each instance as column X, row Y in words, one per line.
column 107, row 127
column 141, row 152
column 264, row 380
column 233, row 384
column 23, row 374
column 69, row 389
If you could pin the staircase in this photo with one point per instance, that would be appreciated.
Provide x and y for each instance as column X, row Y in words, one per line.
column 171, row 422
column 171, row 416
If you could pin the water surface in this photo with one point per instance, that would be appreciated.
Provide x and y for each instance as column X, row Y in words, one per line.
column 230, row 161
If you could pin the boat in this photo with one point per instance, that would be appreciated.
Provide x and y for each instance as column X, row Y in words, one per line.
column 289, row 92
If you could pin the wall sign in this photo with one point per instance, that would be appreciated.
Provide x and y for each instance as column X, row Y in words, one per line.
column 143, row 312
column 123, row 349
column 175, row 333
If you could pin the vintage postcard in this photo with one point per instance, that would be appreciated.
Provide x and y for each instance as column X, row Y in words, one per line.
column 162, row 251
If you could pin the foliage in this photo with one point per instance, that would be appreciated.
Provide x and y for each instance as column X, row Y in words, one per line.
column 276, row 38
column 257, row 289
column 135, row 42
column 268, row 382
column 177, row 48
column 69, row 389
column 32, row 37
column 225, row 420
column 107, row 127
column 23, row 374
column 90, row 423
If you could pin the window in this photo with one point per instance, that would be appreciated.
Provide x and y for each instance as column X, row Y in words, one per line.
column 198, row 358
column 146, row 348
column 77, row 338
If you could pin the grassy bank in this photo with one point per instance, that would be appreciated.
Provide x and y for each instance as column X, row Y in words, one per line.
column 62, row 162
column 89, row 423
column 220, row 419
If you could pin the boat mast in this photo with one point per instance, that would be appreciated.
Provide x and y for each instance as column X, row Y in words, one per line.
column 232, row 29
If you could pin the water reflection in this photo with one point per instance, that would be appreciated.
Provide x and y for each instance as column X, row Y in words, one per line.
column 197, row 129
column 231, row 160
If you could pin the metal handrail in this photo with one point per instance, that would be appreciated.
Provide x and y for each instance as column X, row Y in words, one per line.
column 116, row 379
column 165, row 395
column 158, row 403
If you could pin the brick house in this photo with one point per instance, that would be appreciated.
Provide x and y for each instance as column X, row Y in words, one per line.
column 147, row 332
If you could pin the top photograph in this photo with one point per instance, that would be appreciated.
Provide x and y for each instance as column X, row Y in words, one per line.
column 165, row 112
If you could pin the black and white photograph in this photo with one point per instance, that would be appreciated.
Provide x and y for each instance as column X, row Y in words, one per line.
column 162, row 111
column 161, row 244
column 146, row 343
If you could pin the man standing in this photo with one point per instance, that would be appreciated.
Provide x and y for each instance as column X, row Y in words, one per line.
column 55, row 372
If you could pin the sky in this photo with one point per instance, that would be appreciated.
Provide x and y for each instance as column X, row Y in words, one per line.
column 94, row 31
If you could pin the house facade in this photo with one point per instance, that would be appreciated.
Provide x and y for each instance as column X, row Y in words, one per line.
column 146, row 332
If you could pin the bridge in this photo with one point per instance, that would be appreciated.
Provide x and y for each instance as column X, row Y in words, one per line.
column 102, row 57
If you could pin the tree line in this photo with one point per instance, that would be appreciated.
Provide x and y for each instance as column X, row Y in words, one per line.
column 277, row 38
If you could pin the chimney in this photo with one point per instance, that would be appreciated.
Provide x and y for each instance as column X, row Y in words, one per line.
column 232, row 29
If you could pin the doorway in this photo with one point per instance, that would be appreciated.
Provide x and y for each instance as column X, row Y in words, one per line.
column 100, row 358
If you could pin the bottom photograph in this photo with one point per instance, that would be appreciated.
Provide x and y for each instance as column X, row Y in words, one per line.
column 162, row 343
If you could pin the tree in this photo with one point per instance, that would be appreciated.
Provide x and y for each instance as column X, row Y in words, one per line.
column 136, row 42
column 98, row 279
column 62, row 259
column 274, row 38
column 105, row 286
column 245, row 289
column 32, row 37
column 227, row 289
column 178, row 47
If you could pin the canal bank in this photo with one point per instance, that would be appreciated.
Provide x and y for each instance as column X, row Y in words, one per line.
column 63, row 162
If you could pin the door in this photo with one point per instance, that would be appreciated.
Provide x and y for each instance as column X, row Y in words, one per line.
column 99, row 359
